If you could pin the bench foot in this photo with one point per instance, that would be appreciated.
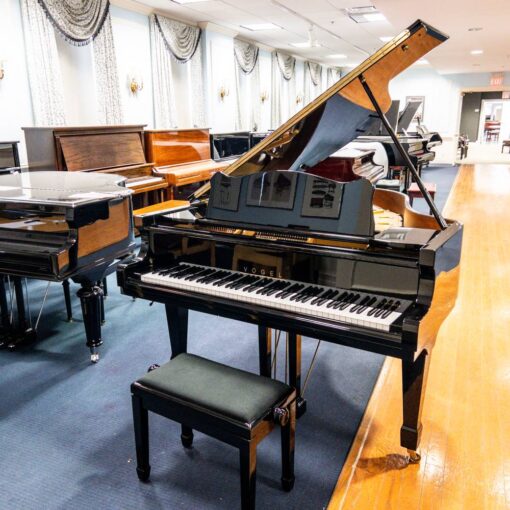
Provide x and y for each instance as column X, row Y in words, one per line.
column 143, row 474
column 187, row 437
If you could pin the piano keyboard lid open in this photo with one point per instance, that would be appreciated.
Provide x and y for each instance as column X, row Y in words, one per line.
column 67, row 189
column 336, row 117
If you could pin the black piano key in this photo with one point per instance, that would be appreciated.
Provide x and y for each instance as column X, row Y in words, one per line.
column 233, row 284
column 259, row 284
column 288, row 291
column 244, row 283
column 349, row 302
column 229, row 279
column 282, row 285
column 393, row 308
column 198, row 274
column 302, row 293
column 324, row 299
column 337, row 300
column 312, row 294
column 217, row 275
column 383, row 309
column 376, row 307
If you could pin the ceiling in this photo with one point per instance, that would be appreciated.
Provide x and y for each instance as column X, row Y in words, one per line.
column 338, row 34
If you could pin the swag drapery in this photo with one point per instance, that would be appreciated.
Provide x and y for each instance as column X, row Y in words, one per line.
column 313, row 81
column 247, row 76
column 174, row 40
column 80, row 22
column 333, row 74
column 283, row 88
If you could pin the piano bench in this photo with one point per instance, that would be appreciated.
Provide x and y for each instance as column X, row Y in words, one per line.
column 414, row 192
column 234, row 406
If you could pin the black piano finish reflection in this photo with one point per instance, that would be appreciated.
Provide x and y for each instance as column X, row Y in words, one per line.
column 58, row 226
column 274, row 245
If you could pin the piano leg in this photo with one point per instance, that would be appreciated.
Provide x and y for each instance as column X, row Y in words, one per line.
column 295, row 370
column 414, row 379
column 67, row 298
column 5, row 315
column 265, row 351
column 23, row 333
column 91, row 297
column 177, row 320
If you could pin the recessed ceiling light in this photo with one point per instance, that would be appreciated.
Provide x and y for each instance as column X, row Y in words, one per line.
column 364, row 14
column 260, row 26
column 188, row 1
column 422, row 62
column 476, row 65
column 336, row 55
column 475, row 29
column 476, row 52
column 386, row 38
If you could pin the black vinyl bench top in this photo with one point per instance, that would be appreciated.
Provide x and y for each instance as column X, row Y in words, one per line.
column 217, row 388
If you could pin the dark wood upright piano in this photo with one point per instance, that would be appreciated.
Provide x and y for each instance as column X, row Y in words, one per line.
column 282, row 246
column 181, row 156
column 106, row 149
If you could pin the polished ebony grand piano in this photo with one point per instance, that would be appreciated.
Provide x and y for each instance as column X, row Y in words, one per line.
column 274, row 243
column 57, row 226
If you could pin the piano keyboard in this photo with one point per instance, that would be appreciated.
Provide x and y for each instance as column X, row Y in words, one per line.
column 350, row 307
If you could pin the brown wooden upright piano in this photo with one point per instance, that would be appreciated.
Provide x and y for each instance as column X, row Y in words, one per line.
column 107, row 149
column 181, row 156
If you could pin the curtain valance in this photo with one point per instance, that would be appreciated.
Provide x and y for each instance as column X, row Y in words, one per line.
column 287, row 65
column 79, row 21
column 246, row 55
column 180, row 39
column 315, row 71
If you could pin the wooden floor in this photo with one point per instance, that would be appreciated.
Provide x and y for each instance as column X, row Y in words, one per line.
column 465, row 444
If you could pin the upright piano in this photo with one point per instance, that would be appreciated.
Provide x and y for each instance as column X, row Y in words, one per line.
column 106, row 149
column 181, row 157
column 55, row 227
column 279, row 245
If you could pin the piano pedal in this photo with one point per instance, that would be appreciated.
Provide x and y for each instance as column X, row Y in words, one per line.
column 414, row 457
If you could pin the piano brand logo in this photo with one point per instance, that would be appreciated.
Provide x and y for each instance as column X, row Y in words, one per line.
column 260, row 269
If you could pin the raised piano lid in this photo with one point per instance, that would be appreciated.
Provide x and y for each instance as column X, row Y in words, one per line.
column 61, row 189
column 340, row 114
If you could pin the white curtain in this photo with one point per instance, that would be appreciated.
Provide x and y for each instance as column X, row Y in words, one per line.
column 172, row 39
column 43, row 66
column 283, row 88
column 247, row 75
column 80, row 22
column 313, row 81
column 333, row 75
column 106, row 76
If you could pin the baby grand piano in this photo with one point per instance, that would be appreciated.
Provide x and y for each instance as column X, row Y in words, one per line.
column 282, row 247
column 56, row 227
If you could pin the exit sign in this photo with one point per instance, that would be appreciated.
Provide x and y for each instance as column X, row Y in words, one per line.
column 497, row 79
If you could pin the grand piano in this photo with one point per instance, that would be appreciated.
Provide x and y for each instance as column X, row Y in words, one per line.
column 57, row 227
column 181, row 157
column 103, row 149
column 282, row 247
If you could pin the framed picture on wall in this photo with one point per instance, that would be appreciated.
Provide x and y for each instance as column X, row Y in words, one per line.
column 418, row 116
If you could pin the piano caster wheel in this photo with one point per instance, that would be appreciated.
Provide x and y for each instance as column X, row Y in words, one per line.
column 414, row 457
column 94, row 355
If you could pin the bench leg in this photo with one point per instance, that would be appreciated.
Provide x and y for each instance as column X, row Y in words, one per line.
column 288, row 440
column 248, row 458
column 141, row 425
column 67, row 299
column 186, row 436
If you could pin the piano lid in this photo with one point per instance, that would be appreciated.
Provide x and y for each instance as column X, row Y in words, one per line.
column 67, row 189
column 340, row 114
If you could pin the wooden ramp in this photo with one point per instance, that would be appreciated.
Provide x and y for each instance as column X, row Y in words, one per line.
column 465, row 445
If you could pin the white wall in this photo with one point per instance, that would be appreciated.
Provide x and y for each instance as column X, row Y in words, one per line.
column 15, row 102
column 265, row 85
column 132, row 47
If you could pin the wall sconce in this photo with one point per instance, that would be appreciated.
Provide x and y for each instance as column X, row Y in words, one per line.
column 135, row 82
column 264, row 96
column 299, row 98
column 2, row 69
column 223, row 92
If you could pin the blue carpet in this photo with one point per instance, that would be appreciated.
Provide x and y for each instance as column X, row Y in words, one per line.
column 66, row 427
